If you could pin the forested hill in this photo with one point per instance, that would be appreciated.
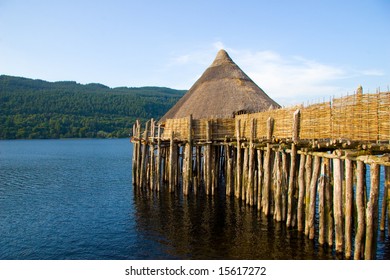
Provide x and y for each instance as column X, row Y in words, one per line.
column 36, row 109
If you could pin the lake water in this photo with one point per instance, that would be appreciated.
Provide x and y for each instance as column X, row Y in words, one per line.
column 73, row 199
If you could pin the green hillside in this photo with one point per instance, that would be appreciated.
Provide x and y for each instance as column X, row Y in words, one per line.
column 36, row 109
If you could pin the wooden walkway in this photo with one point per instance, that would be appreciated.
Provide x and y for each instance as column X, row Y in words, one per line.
column 316, row 168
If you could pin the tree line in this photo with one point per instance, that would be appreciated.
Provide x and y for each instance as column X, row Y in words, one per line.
column 37, row 109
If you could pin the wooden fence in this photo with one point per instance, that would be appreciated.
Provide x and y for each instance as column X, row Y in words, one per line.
column 359, row 117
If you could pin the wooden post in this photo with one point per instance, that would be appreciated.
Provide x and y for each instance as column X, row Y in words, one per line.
column 301, row 195
column 185, row 178
column 360, row 206
column 328, row 201
column 267, row 169
column 284, row 185
column 144, row 159
column 229, row 171
column 291, row 214
column 273, row 184
column 308, row 175
column 207, row 159
column 198, row 168
column 238, row 162
column 134, row 160
column 250, row 187
column 138, row 151
column 260, row 178
column 321, row 210
column 291, row 187
column 313, row 194
column 151, row 157
column 385, row 201
column 214, row 169
column 245, row 174
column 171, row 164
column 296, row 126
column 158, row 163
column 187, row 159
column 255, row 188
column 177, row 163
column 278, row 183
column 348, row 207
column 190, row 147
column 337, row 204
column 372, row 213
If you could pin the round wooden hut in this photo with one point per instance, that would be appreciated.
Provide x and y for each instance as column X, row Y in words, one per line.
column 223, row 91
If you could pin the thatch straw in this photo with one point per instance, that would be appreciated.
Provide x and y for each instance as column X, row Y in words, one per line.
column 223, row 91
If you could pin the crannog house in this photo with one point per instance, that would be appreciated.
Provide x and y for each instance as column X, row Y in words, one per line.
column 222, row 91
column 221, row 136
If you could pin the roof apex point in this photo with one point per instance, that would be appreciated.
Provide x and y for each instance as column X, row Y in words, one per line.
column 222, row 57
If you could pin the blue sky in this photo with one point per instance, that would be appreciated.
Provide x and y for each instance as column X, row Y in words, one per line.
column 296, row 51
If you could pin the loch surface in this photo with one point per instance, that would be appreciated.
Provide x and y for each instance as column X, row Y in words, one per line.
column 73, row 199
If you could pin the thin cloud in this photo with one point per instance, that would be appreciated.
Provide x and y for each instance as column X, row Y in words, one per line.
column 287, row 79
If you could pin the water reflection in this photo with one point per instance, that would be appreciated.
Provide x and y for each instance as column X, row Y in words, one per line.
column 202, row 227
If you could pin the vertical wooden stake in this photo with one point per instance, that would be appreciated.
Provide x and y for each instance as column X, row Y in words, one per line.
column 187, row 159
column 301, row 195
column 133, row 161
column 144, row 159
column 135, row 165
column 138, row 151
column 198, row 168
column 348, row 207
column 151, row 157
column 278, row 183
column 285, row 176
column 361, row 218
column 207, row 157
column 267, row 169
column 322, row 213
column 171, row 164
column 337, row 204
column 328, row 201
column 291, row 187
column 158, row 163
column 372, row 214
column 245, row 174
column 255, row 188
column 313, row 194
column 229, row 163
column 260, row 178
column 238, row 162
column 385, row 202
column 251, row 170
column 308, row 175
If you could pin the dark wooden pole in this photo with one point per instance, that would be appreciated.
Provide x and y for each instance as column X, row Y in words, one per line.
column 238, row 161
column 338, row 204
column 171, row 164
column 372, row 213
column 308, row 175
column 360, row 206
column 267, row 169
column 385, row 202
column 250, row 188
column 313, row 194
column 348, row 207
column 158, row 163
column 301, row 193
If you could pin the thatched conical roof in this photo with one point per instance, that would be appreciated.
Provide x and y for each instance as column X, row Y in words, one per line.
column 222, row 91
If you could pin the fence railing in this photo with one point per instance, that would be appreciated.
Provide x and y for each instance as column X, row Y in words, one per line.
column 359, row 117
